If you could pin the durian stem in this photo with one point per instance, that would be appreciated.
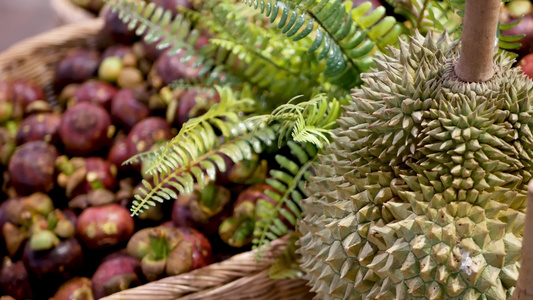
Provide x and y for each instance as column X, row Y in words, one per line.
column 524, row 288
column 480, row 23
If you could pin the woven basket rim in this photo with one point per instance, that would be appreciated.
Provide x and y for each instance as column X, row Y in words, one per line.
column 53, row 37
column 239, row 276
column 67, row 12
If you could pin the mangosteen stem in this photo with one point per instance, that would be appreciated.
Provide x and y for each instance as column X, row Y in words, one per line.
column 524, row 289
column 160, row 246
column 480, row 25
column 208, row 197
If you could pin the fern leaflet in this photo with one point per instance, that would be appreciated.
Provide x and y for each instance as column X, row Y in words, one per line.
column 290, row 181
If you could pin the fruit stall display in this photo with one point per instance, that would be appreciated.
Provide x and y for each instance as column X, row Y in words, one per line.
column 65, row 218
column 92, row 113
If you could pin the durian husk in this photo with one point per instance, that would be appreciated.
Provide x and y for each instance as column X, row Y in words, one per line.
column 524, row 289
column 422, row 193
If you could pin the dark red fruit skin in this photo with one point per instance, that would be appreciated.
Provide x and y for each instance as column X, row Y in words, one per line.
column 105, row 172
column 117, row 50
column 116, row 29
column 26, row 92
column 375, row 3
column 7, row 147
column 119, row 153
column 96, row 92
column 78, row 288
column 31, row 168
column 14, row 280
column 189, row 105
column 105, row 226
column 254, row 193
column 78, row 66
column 526, row 63
column 187, row 213
column 112, row 272
column 7, row 208
column 170, row 68
column 9, row 108
column 57, row 264
column 150, row 51
column 127, row 111
column 7, row 93
column 84, row 129
column 172, row 5
column 202, row 251
column 239, row 172
column 147, row 133
column 39, row 127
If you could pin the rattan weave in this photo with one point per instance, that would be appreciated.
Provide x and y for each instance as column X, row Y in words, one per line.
column 239, row 277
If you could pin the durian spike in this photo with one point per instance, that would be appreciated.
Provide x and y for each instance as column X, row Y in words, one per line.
column 480, row 23
column 524, row 288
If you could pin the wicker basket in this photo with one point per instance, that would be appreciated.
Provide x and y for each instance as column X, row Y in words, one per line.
column 66, row 12
column 240, row 277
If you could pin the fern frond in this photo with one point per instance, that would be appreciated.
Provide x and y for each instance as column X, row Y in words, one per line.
column 306, row 122
column 197, row 134
column 344, row 38
column 178, row 34
column 289, row 181
column 287, row 266
column 199, row 161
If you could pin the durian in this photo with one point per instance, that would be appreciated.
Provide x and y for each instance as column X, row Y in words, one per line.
column 422, row 193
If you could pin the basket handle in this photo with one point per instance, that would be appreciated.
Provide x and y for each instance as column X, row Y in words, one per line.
column 524, row 286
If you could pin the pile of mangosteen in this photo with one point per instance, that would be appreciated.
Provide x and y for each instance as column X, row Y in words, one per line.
column 66, row 229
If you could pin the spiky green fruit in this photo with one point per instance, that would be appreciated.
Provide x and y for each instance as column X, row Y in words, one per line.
column 422, row 194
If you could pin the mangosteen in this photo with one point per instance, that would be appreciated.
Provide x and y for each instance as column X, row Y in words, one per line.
column 31, row 168
column 100, row 174
column 244, row 172
column 39, row 127
column 205, row 208
column 194, row 103
column 77, row 288
column 85, row 128
column 526, row 63
column 7, row 93
column 120, row 51
column 127, row 111
column 14, row 280
column 96, row 92
column 119, row 153
column 168, row 250
column 78, row 66
column 27, row 92
column 61, row 262
column 67, row 93
column 115, row 275
column 194, row 243
column 116, row 29
column 237, row 230
column 147, row 133
column 7, row 142
column 105, row 226
column 168, row 68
